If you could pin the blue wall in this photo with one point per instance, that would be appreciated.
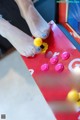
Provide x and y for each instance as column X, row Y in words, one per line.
column 74, row 16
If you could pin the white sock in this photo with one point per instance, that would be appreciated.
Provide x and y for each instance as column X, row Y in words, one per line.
column 21, row 41
column 38, row 26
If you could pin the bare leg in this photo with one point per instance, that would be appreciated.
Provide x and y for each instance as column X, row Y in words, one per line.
column 38, row 26
column 21, row 41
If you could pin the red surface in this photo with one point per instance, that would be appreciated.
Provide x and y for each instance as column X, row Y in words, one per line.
column 62, row 15
column 72, row 32
column 67, row 116
column 52, row 87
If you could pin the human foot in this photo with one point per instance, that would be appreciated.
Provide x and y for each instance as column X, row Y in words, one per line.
column 21, row 41
column 38, row 26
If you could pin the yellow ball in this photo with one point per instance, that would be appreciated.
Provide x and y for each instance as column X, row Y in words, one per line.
column 73, row 96
column 38, row 42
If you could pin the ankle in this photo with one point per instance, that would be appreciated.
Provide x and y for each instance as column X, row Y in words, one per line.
column 27, row 13
column 24, row 4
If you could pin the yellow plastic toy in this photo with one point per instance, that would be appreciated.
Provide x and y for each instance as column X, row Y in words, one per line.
column 38, row 42
column 45, row 47
column 78, row 102
column 73, row 96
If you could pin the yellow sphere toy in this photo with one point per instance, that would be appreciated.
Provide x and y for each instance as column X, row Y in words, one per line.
column 38, row 42
column 73, row 96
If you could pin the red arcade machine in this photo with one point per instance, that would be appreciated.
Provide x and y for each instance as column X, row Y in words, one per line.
column 55, row 70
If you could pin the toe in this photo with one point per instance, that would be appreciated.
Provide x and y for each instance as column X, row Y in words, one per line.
column 31, row 51
column 42, row 35
column 45, row 33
